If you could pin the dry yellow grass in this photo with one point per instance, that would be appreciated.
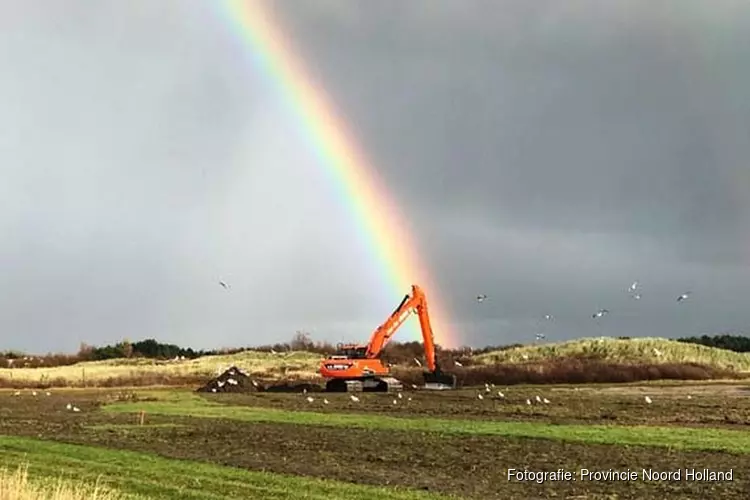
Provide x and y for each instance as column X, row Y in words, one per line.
column 644, row 350
column 300, row 365
column 15, row 485
column 293, row 365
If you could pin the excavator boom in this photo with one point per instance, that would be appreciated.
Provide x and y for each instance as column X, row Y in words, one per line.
column 358, row 367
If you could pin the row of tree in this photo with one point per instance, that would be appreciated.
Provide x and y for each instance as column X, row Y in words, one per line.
column 149, row 348
column 736, row 343
column 395, row 352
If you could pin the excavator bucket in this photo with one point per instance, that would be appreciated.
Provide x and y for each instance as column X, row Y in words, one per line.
column 439, row 380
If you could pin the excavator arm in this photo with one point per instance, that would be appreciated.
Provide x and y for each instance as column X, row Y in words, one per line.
column 414, row 303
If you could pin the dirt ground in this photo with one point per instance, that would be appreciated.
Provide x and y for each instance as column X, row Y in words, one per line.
column 469, row 467
column 721, row 406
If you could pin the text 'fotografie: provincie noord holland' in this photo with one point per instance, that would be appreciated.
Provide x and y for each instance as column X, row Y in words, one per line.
column 644, row 474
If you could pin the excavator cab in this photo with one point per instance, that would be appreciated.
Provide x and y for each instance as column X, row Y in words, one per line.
column 351, row 351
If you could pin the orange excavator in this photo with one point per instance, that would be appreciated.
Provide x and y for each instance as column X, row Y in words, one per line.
column 356, row 367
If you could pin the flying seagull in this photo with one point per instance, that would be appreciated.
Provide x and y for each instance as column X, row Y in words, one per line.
column 600, row 313
column 540, row 336
column 481, row 298
column 549, row 317
column 633, row 286
column 684, row 296
column 224, row 284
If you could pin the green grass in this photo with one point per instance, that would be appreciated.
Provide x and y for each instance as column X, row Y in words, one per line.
column 186, row 404
column 644, row 350
column 151, row 476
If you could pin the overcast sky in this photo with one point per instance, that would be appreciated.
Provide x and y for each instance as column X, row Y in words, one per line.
column 544, row 153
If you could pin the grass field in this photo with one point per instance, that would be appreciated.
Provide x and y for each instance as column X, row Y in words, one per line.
column 434, row 445
column 452, row 444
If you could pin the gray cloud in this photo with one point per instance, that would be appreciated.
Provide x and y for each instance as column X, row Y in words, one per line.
column 544, row 153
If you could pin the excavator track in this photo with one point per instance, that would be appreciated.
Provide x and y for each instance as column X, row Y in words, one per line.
column 387, row 384
column 369, row 384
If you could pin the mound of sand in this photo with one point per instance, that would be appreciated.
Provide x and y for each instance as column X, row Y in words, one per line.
column 236, row 380
column 233, row 380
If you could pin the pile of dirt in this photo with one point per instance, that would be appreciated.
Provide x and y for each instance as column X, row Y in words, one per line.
column 233, row 380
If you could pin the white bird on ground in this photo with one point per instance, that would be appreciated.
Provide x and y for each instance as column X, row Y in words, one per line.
column 75, row 408
column 648, row 400
column 17, row 393
column 684, row 296
column 600, row 313
column 487, row 389
column 325, row 401
column 546, row 401
column 273, row 352
column 413, row 386
column 525, row 357
column 409, row 399
column 231, row 381
column 538, row 399
column 479, row 396
column 689, row 396
column 69, row 406
column 400, row 396
column 657, row 352
column 528, row 401
column 354, row 398
column 419, row 363
column 395, row 401
column 33, row 393
column 457, row 363
column 310, row 399
column 500, row 394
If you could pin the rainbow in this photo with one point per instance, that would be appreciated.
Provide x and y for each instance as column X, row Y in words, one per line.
column 364, row 195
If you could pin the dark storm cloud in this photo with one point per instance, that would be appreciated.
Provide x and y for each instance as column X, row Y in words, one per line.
column 569, row 125
column 550, row 153
column 545, row 153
